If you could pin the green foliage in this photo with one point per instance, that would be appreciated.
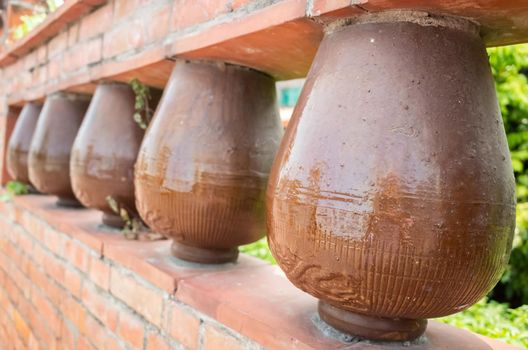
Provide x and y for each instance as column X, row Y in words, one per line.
column 29, row 22
column 143, row 113
column 494, row 320
column 14, row 188
column 259, row 249
column 508, row 65
column 513, row 287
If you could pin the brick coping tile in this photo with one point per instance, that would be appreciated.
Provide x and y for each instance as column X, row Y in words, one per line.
column 250, row 297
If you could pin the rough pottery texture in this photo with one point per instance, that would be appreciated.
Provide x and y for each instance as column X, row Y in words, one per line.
column 203, row 166
column 105, row 150
column 393, row 193
column 18, row 148
column 49, row 155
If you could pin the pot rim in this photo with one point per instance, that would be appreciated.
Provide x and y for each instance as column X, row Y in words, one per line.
column 422, row 18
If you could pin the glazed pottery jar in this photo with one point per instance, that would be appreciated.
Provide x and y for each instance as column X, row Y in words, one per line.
column 392, row 198
column 105, row 150
column 203, row 165
column 49, row 154
column 18, row 147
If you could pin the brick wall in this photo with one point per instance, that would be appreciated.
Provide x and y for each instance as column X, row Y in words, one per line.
column 58, row 292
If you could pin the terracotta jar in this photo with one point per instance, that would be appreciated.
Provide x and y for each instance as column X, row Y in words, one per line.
column 392, row 198
column 49, row 154
column 105, row 150
column 203, row 166
column 18, row 147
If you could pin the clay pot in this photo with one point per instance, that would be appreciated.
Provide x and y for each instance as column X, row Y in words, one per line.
column 49, row 154
column 18, row 147
column 392, row 198
column 105, row 150
column 203, row 166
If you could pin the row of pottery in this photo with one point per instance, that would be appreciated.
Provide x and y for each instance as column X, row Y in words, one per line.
column 391, row 198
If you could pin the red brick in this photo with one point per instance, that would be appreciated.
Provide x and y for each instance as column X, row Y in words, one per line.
column 156, row 342
column 73, row 34
column 73, row 282
column 99, row 272
column 236, row 4
column 42, row 53
column 82, row 54
column 25, row 244
column 58, row 44
column 30, row 60
column 53, row 240
column 77, row 255
column 84, row 344
column 182, row 326
column 111, row 343
column 55, row 67
column 187, row 13
column 158, row 29
column 54, row 268
column 40, row 327
column 21, row 326
column 75, row 313
column 126, row 37
column 100, row 306
column 34, row 226
column 53, row 292
column 48, row 311
column 131, row 330
column 67, row 337
column 215, row 339
column 144, row 300
column 96, row 22
column 94, row 331
column 125, row 8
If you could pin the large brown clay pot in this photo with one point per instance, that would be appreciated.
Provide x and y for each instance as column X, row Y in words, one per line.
column 49, row 154
column 105, row 150
column 18, row 147
column 392, row 196
column 203, row 166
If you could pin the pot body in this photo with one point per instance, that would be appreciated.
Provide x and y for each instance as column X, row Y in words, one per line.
column 203, row 166
column 49, row 154
column 393, row 193
column 18, row 147
column 105, row 150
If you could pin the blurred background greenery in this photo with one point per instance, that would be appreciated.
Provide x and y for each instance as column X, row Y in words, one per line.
column 504, row 313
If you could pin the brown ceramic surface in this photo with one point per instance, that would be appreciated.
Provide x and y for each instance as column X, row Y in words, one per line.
column 203, row 166
column 105, row 150
column 393, row 193
column 18, row 148
column 49, row 155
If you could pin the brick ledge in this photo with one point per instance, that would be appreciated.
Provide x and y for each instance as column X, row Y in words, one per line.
column 250, row 297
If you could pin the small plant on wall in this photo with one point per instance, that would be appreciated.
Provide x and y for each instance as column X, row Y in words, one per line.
column 133, row 228
column 143, row 112
column 14, row 188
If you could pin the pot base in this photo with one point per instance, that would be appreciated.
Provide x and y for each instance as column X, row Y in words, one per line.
column 33, row 190
column 203, row 255
column 68, row 202
column 371, row 327
column 113, row 220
